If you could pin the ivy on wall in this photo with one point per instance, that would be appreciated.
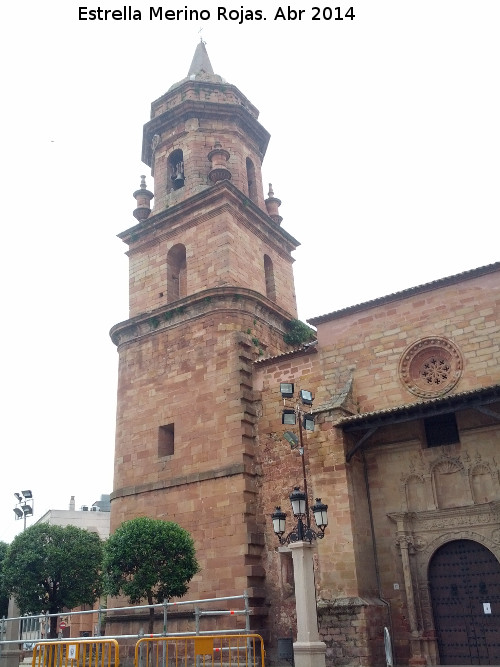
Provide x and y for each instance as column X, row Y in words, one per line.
column 297, row 333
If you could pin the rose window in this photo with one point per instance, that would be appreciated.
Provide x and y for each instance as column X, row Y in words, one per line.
column 430, row 367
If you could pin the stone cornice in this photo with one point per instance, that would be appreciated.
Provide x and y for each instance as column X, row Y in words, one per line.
column 407, row 293
column 227, row 113
column 451, row 517
column 221, row 299
column 219, row 197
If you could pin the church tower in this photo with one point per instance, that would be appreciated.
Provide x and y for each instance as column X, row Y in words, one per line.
column 211, row 290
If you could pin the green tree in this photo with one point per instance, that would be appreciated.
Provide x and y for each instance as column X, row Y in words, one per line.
column 149, row 559
column 50, row 568
column 4, row 598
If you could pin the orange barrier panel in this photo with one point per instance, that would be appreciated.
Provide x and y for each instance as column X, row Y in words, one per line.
column 91, row 652
column 245, row 650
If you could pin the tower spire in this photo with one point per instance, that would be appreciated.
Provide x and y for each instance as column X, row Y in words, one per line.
column 201, row 61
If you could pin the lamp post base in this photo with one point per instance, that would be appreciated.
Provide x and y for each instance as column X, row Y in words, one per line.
column 309, row 654
column 308, row 650
column 9, row 657
column 10, row 653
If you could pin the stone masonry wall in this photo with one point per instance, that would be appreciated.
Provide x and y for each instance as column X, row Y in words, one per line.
column 355, row 367
column 351, row 629
column 222, row 250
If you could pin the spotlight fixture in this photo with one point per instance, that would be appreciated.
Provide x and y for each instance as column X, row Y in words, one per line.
column 306, row 397
column 291, row 438
column 286, row 389
column 308, row 423
column 288, row 417
column 25, row 505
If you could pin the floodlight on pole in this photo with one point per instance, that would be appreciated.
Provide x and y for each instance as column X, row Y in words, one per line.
column 306, row 397
column 291, row 438
column 293, row 414
column 286, row 389
column 308, row 422
column 289, row 417
column 25, row 505
column 309, row 651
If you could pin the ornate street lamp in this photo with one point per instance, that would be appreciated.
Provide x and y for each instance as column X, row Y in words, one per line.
column 308, row 649
column 302, row 531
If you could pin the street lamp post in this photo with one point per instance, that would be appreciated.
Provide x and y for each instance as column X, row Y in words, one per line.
column 10, row 652
column 25, row 505
column 308, row 650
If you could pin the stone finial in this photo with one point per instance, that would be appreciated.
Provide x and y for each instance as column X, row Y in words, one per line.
column 143, row 198
column 219, row 157
column 272, row 206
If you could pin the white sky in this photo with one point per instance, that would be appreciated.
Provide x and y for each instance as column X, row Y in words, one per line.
column 385, row 152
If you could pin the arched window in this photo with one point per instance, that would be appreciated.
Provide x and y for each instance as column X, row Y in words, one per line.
column 252, row 185
column 175, row 170
column 269, row 275
column 176, row 273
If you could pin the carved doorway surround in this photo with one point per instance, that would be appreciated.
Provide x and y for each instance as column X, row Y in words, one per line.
column 419, row 535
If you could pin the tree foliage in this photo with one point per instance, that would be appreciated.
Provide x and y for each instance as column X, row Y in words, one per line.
column 149, row 559
column 4, row 598
column 297, row 333
column 49, row 568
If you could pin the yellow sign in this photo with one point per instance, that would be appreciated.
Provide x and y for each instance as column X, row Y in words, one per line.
column 203, row 645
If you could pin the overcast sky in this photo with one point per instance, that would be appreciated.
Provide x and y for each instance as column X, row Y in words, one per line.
column 385, row 146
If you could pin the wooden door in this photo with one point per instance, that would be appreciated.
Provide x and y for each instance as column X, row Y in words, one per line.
column 464, row 580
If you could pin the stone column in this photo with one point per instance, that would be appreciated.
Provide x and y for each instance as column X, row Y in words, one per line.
column 308, row 650
column 9, row 655
column 405, row 543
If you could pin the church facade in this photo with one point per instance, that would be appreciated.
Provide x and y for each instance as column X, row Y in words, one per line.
column 406, row 409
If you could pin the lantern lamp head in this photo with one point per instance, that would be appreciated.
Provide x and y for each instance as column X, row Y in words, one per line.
column 279, row 518
column 320, row 510
column 298, row 501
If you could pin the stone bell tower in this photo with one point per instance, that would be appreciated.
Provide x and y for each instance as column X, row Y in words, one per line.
column 211, row 289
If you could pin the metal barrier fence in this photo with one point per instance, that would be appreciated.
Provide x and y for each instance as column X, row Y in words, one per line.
column 245, row 650
column 81, row 653
column 27, row 630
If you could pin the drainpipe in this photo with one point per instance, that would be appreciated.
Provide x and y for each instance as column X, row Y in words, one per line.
column 375, row 556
